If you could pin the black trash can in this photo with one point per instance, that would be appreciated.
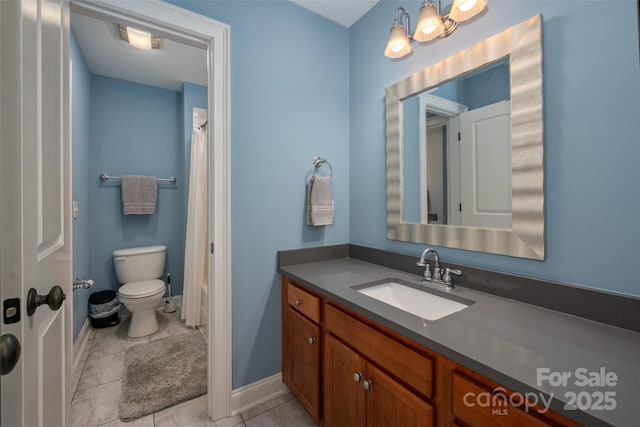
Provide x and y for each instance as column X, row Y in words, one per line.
column 103, row 309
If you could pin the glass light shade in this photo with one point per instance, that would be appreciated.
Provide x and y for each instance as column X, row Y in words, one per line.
column 430, row 25
column 139, row 39
column 399, row 44
column 463, row 10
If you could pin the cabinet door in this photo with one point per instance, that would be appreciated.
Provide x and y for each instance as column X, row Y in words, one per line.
column 344, row 398
column 391, row 404
column 304, row 375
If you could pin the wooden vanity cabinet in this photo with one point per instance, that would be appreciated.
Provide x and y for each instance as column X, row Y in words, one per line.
column 358, row 373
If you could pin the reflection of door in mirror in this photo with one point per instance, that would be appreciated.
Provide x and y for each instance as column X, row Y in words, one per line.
column 436, row 182
column 440, row 160
column 457, row 152
column 485, row 154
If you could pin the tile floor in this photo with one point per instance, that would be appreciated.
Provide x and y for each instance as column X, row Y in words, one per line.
column 97, row 382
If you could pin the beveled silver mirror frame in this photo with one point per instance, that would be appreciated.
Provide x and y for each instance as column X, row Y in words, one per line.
column 522, row 43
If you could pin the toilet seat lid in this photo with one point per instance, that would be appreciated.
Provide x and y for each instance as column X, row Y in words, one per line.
column 142, row 289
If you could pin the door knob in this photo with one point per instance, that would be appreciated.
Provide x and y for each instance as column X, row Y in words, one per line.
column 53, row 299
column 9, row 353
column 357, row 377
column 311, row 340
column 367, row 384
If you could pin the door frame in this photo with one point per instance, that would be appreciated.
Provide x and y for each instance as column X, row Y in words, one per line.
column 449, row 111
column 214, row 36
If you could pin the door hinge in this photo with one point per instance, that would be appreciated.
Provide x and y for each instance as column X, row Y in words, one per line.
column 460, row 207
column 211, row 247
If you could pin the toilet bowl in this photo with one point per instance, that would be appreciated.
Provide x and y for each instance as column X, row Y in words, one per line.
column 139, row 270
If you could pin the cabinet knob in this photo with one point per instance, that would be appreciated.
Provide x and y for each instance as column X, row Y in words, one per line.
column 297, row 302
column 312, row 340
column 367, row 384
column 357, row 376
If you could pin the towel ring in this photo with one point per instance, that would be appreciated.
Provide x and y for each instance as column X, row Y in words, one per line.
column 318, row 162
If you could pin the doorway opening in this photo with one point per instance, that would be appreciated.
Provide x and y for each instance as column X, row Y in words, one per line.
column 211, row 38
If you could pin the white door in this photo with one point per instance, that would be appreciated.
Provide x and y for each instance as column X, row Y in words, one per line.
column 485, row 157
column 35, row 213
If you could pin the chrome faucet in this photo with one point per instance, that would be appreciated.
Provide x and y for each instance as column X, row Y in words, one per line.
column 436, row 267
column 437, row 277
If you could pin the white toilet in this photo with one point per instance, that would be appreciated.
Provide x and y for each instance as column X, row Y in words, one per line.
column 139, row 270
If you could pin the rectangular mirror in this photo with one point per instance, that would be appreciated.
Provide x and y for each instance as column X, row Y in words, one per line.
column 464, row 149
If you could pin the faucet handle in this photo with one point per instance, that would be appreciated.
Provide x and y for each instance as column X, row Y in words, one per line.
column 427, row 273
column 448, row 272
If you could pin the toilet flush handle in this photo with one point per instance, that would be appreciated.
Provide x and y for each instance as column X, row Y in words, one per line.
column 120, row 258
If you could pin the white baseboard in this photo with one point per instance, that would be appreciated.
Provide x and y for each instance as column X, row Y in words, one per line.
column 254, row 394
column 81, row 342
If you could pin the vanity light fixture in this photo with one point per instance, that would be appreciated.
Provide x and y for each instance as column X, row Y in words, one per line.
column 433, row 22
column 138, row 38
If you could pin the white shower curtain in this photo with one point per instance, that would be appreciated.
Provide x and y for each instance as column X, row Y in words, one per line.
column 195, row 253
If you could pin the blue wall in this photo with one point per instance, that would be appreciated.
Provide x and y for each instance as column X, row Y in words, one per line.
column 135, row 129
column 478, row 89
column 591, row 110
column 486, row 88
column 289, row 103
column 81, row 180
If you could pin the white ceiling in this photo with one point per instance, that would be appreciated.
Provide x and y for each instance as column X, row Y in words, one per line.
column 107, row 55
column 175, row 63
column 344, row 12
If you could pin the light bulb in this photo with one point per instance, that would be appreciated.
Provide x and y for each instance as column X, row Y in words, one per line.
column 463, row 10
column 399, row 44
column 430, row 24
column 466, row 5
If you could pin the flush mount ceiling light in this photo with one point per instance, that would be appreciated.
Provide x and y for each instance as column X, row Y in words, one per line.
column 138, row 38
column 433, row 22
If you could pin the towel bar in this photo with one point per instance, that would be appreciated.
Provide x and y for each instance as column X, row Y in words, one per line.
column 104, row 177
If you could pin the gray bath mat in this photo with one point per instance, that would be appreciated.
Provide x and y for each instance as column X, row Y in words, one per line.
column 163, row 373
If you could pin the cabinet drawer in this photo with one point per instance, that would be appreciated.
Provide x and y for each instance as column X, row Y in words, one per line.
column 304, row 302
column 490, row 408
column 408, row 366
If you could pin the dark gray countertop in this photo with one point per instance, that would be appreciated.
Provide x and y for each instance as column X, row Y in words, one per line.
column 505, row 340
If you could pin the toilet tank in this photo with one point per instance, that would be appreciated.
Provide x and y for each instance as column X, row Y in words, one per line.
column 138, row 264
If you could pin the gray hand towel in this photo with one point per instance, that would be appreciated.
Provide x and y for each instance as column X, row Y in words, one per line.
column 319, row 201
column 139, row 194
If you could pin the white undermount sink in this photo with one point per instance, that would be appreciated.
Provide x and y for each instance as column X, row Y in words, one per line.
column 415, row 301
